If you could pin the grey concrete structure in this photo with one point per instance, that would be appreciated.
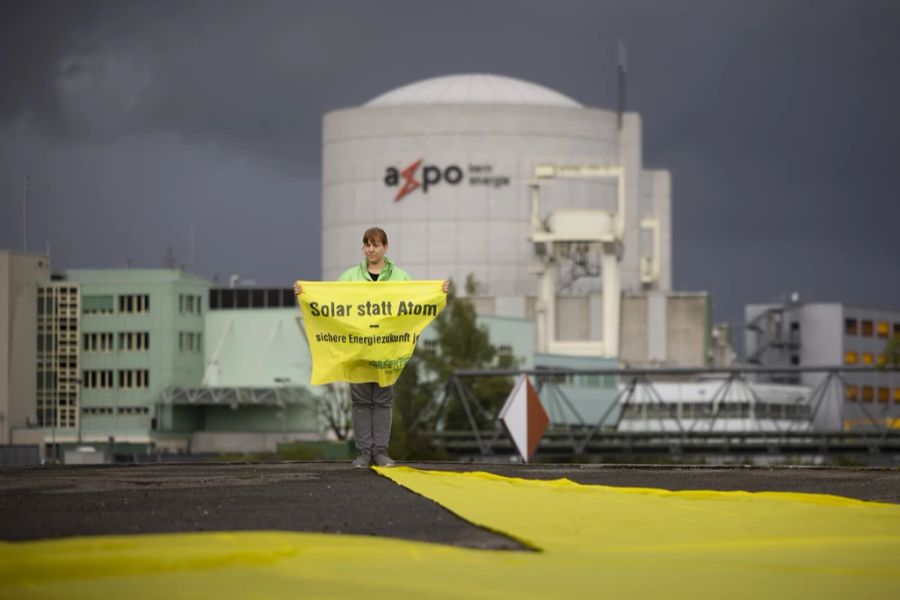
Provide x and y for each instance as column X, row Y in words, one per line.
column 443, row 166
column 828, row 334
column 21, row 274
column 666, row 329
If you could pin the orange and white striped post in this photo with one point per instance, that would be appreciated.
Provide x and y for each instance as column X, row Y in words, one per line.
column 524, row 418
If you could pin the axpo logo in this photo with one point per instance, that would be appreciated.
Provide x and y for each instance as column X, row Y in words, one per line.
column 430, row 175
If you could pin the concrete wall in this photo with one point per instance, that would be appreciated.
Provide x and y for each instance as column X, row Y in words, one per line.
column 20, row 276
column 665, row 329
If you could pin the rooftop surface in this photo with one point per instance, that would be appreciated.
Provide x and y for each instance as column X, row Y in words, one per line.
column 330, row 497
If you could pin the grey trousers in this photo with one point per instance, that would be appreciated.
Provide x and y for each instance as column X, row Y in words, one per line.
column 371, row 416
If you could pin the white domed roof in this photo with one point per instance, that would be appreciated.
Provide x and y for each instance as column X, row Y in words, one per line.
column 473, row 89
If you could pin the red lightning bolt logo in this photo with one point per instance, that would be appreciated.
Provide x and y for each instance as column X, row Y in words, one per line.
column 410, row 182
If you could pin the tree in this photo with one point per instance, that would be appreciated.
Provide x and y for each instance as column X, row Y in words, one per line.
column 333, row 407
column 892, row 351
column 461, row 344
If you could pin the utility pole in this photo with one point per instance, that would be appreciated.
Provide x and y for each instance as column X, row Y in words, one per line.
column 25, row 216
column 620, row 80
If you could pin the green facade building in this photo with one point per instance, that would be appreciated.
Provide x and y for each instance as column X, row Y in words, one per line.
column 142, row 331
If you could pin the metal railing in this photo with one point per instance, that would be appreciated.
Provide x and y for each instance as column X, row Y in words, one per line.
column 784, row 428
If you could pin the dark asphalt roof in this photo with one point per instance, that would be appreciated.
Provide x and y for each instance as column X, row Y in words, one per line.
column 330, row 497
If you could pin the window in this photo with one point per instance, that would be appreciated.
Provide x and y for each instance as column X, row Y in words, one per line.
column 227, row 299
column 134, row 379
column 133, row 410
column 896, row 395
column 134, row 303
column 134, row 341
column 97, row 410
column 867, row 358
column 98, row 342
column 867, row 328
column 852, row 393
column 896, row 328
column 882, row 360
column 189, row 341
column 795, row 360
column 243, row 298
column 849, row 357
column 98, row 379
column 97, row 305
column 868, row 393
column 884, row 395
column 884, row 329
column 258, row 298
column 429, row 345
column 851, row 327
column 189, row 304
column 504, row 350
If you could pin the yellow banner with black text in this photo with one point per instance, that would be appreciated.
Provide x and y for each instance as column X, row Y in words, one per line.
column 362, row 331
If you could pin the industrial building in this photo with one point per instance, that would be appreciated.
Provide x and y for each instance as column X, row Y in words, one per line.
column 816, row 334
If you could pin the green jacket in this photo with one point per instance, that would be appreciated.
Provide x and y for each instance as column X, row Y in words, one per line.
column 360, row 272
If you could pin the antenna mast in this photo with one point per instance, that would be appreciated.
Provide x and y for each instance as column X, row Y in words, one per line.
column 621, row 82
column 25, row 216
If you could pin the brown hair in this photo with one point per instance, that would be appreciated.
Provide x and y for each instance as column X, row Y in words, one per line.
column 374, row 235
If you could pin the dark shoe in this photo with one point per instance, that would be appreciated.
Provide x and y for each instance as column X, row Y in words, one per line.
column 362, row 460
column 381, row 459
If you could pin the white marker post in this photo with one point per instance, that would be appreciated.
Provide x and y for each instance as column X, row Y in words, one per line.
column 524, row 418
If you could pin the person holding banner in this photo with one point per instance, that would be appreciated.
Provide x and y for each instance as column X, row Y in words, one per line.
column 372, row 404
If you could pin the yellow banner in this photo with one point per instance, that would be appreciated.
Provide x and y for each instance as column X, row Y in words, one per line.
column 362, row 331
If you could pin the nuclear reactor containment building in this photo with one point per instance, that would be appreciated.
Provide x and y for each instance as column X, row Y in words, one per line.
column 450, row 167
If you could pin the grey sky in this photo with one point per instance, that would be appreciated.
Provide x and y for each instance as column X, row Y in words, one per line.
column 136, row 120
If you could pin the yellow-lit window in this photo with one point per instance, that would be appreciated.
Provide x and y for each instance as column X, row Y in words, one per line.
column 852, row 393
column 884, row 329
column 884, row 395
column 882, row 360
column 851, row 326
column 849, row 357
column 867, row 328
column 868, row 393
column 867, row 358
column 896, row 395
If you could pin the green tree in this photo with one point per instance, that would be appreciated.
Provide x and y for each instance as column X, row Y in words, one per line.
column 461, row 344
column 892, row 351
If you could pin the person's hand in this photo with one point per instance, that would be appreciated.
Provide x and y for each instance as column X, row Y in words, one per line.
column 298, row 289
column 445, row 287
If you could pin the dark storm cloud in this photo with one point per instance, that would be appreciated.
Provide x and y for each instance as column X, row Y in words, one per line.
column 777, row 120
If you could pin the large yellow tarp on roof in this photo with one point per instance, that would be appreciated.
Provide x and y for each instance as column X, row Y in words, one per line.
column 593, row 541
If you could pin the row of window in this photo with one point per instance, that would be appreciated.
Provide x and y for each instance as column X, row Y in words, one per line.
column 105, row 305
column 189, row 304
column 725, row 410
column 869, row 328
column 63, row 342
column 109, row 410
column 137, row 341
column 102, row 379
column 851, row 357
column 228, row 298
column 190, row 342
column 62, row 417
column 129, row 341
column 868, row 393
